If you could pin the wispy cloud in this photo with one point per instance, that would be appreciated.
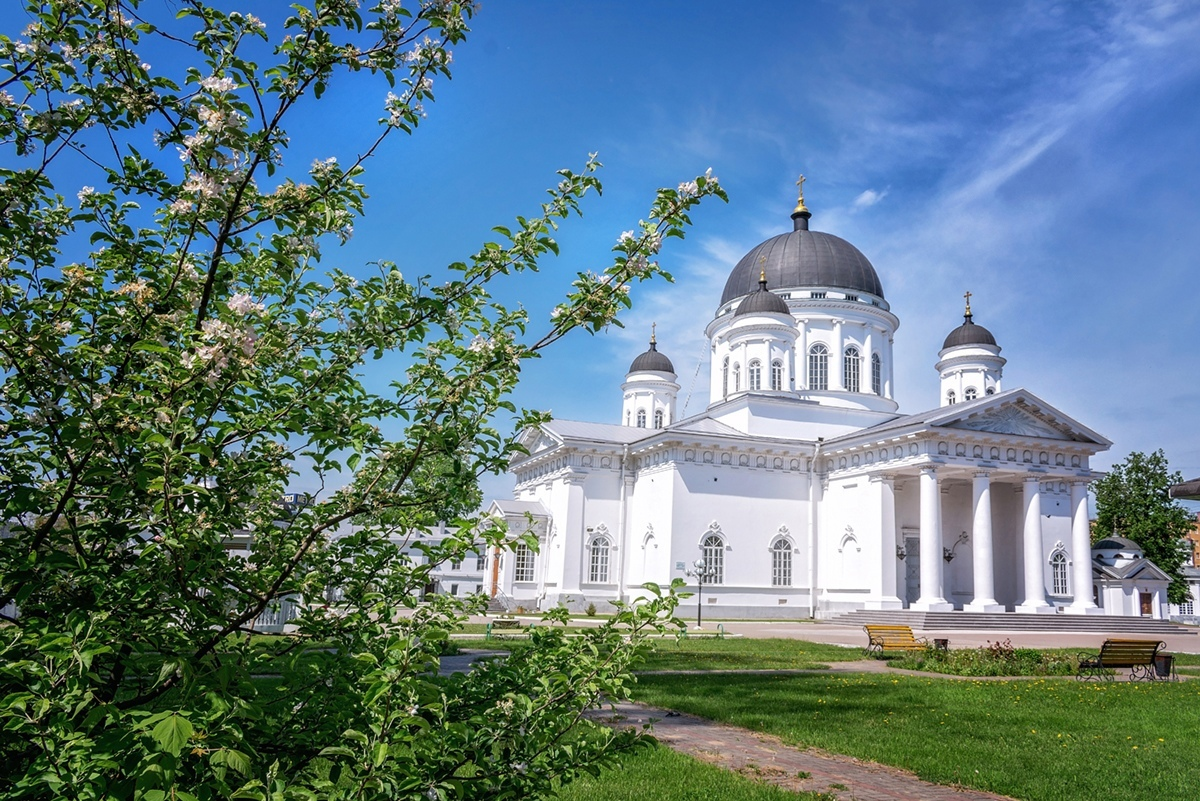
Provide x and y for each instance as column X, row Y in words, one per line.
column 868, row 198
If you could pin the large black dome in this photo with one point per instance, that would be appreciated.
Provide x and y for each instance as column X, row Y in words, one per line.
column 803, row 258
column 652, row 360
column 969, row 334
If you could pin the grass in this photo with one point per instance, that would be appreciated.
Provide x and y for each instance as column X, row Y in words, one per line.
column 1044, row 739
column 660, row 774
column 744, row 654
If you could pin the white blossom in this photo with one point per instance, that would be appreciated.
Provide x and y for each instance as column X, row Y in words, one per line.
column 688, row 189
column 626, row 237
column 480, row 344
column 217, row 85
column 181, row 206
column 242, row 304
column 85, row 193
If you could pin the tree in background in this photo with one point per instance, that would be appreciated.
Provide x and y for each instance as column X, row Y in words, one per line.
column 169, row 351
column 1134, row 501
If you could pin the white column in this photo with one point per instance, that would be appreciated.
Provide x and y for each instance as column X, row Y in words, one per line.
column 868, row 378
column 1081, row 553
column 1035, row 571
column 883, row 588
column 801, row 373
column 931, row 599
column 982, row 551
column 891, row 373
column 837, row 380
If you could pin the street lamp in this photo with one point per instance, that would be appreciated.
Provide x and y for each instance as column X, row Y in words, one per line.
column 701, row 573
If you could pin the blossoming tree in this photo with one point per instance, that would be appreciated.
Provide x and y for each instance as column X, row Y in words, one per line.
column 168, row 353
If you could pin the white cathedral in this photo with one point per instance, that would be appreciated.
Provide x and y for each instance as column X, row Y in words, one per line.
column 801, row 491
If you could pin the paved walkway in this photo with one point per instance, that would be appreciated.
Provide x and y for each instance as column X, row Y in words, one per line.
column 768, row 759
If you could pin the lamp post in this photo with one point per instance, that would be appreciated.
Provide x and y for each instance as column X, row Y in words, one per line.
column 701, row 573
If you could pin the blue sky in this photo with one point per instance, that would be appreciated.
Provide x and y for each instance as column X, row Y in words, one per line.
column 1044, row 156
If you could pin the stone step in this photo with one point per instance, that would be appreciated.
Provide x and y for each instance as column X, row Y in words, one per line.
column 1009, row 621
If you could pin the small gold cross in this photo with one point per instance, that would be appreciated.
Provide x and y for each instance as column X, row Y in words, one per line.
column 800, row 207
column 967, row 295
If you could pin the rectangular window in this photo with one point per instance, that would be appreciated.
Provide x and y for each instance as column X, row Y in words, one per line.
column 480, row 562
column 1187, row 608
column 523, row 567
column 781, row 567
column 456, row 564
column 454, row 589
column 598, row 571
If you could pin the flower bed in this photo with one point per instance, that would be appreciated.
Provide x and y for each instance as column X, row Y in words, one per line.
column 994, row 659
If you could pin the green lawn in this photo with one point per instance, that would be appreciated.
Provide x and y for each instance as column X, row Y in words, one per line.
column 660, row 774
column 736, row 653
column 1047, row 739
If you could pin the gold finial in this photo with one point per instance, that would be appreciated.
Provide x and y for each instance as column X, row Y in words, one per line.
column 762, row 276
column 800, row 207
column 653, row 340
column 967, row 295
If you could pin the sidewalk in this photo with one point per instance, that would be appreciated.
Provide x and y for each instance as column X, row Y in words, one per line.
column 768, row 759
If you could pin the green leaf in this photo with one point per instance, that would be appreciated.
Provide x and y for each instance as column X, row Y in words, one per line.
column 172, row 733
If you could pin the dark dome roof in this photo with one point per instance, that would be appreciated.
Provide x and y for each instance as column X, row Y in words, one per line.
column 762, row 301
column 652, row 360
column 969, row 334
column 803, row 258
column 1116, row 544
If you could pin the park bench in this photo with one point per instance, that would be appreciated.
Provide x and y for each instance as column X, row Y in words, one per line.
column 1138, row 656
column 506, row 624
column 881, row 639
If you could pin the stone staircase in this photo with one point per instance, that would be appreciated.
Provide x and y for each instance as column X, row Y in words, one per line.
column 1009, row 621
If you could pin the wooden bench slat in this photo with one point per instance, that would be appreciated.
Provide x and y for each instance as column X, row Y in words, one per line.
column 881, row 638
column 1136, row 655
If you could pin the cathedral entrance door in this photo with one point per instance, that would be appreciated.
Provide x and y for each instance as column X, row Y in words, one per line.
column 912, row 570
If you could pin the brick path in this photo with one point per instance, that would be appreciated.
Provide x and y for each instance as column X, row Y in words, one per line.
column 768, row 759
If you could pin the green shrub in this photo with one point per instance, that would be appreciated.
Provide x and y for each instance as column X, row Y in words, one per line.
column 591, row 610
column 994, row 659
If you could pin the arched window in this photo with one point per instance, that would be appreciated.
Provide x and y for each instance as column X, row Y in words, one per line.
column 598, row 566
column 876, row 374
column 641, row 418
column 755, row 374
column 658, row 418
column 970, row 394
column 725, row 378
column 990, row 391
column 950, row 398
column 818, row 367
column 523, row 563
column 1058, row 574
column 737, row 377
column 777, row 375
column 628, row 418
column 714, row 559
column 781, row 563
column 850, row 371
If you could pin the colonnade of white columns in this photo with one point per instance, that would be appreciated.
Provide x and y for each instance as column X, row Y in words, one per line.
column 983, row 547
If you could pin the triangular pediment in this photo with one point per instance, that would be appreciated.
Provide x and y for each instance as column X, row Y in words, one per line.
column 1012, row 418
column 536, row 440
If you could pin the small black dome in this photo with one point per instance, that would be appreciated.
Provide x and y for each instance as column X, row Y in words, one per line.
column 969, row 334
column 762, row 301
column 652, row 360
column 803, row 258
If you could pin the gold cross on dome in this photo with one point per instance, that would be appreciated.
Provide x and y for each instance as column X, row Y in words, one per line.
column 800, row 200
column 967, row 295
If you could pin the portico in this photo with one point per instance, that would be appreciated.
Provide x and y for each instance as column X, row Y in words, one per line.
column 977, row 553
